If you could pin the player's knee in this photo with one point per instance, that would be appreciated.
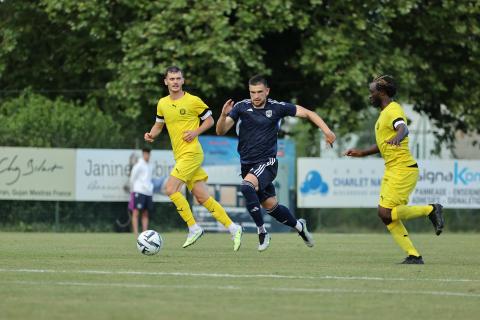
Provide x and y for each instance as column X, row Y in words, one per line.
column 270, row 205
column 251, row 199
column 170, row 189
column 201, row 198
column 247, row 188
column 200, row 192
column 384, row 215
column 271, row 210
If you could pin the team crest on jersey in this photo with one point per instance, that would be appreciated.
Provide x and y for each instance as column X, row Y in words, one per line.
column 268, row 113
column 183, row 111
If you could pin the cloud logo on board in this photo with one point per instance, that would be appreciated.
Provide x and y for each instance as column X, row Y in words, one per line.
column 314, row 184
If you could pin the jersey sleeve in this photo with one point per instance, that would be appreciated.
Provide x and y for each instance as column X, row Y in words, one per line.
column 287, row 109
column 235, row 112
column 396, row 116
column 159, row 117
column 202, row 109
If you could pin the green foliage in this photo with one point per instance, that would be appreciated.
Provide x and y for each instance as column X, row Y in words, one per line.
column 430, row 47
column 215, row 42
column 322, row 54
column 48, row 51
column 36, row 121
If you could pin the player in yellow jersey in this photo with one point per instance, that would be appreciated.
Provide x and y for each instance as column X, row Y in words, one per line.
column 401, row 169
column 181, row 112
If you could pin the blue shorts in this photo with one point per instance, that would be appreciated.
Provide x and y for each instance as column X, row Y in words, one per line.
column 265, row 172
column 142, row 202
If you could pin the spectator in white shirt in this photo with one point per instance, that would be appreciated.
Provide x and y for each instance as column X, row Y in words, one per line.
column 142, row 188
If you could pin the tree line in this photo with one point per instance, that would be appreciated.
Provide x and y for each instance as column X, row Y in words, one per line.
column 89, row 73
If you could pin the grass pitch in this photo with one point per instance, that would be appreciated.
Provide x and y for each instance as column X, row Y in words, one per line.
column 345, row 276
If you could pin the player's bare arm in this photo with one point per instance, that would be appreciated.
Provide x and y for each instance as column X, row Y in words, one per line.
column 154, row 132
column 318, row 121
column 357, row 153
column 402, row 132
column 189, row 135
column 224, row 122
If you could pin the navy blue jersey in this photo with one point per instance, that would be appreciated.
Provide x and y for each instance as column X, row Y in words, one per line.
column 257, row 129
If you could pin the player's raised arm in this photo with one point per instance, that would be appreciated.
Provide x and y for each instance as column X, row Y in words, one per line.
column 357, row 153
column 318, row 121
column 224, row 122
column 154, row 132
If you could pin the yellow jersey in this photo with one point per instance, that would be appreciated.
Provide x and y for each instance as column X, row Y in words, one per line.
column 394, row 156
column 179, row 116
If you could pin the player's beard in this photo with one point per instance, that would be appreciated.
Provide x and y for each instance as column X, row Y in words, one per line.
column 376, row 102
column 258, row 104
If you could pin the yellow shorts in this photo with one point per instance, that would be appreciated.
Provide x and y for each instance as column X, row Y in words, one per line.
column 397, row 185
column 188, row 169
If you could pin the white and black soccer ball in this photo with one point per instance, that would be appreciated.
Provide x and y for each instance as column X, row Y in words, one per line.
column 149, row 242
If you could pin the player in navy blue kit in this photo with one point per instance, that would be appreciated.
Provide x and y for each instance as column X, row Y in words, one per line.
column 257, row 124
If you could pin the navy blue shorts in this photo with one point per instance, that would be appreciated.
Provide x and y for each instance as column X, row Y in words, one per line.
column 265, row 172
column 142, row 202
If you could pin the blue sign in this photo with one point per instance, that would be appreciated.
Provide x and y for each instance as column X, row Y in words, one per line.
column 313, row 184
column 219, row 150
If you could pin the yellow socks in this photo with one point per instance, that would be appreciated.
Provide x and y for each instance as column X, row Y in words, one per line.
column 183, row 208
column 410, row 212
column 217, row 211
column 213, row 206
column 397, row 229
column 400, row 235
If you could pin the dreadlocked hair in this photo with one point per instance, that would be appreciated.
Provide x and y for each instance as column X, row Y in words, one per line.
column 386, row 83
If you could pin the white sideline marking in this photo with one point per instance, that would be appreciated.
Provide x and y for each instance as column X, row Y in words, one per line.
column 273, row 289
column 230, row 275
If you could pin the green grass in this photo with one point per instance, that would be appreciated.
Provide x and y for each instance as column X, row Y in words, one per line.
column 345, row 276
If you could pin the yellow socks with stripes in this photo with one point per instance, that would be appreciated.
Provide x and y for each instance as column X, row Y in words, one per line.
column 183, row 208
column 403, row 212
column 400, row 235
column 217, row 211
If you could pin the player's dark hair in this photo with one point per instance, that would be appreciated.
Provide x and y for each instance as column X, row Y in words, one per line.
column 258, row 79
column 173, row 69
column 147, row 150
column 386, row 83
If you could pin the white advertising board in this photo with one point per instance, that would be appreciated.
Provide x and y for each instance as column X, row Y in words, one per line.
column 102, row 174
column 73, row 174
column 353, row 183
column 37, row 174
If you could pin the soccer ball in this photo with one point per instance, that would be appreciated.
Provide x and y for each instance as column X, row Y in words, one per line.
column 149, row 242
